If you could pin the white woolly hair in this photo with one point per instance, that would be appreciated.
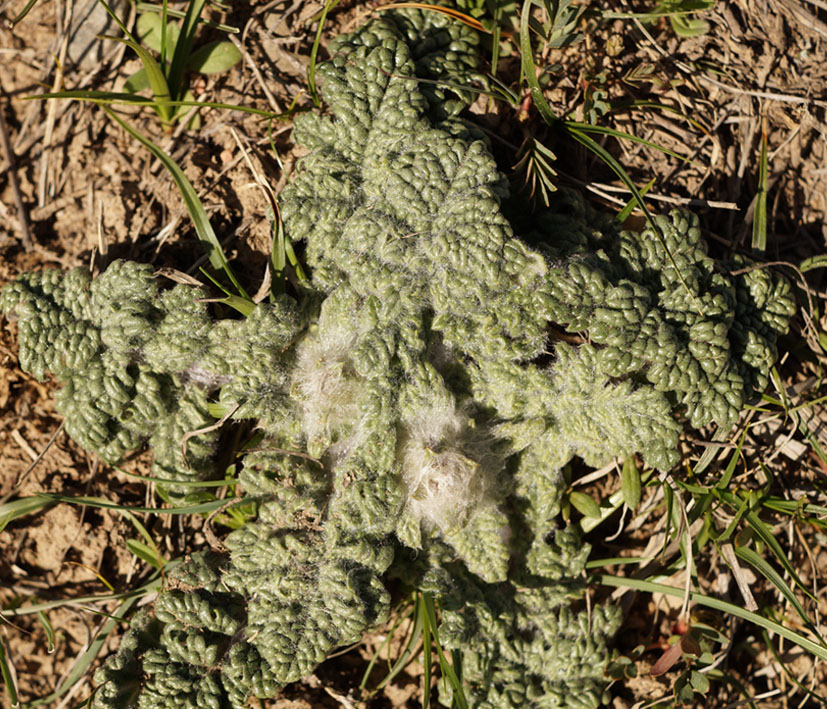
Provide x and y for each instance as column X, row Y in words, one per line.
column 329, row 397
column 447, row 465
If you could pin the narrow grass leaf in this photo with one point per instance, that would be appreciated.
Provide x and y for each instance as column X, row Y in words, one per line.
column 426, row 652
column 183, row 48
column 155, row 77
column 46, row 624
column 182, row 483
column 8, row 676
column 85, row 660
column 626, row 212
column 405, row 656
column 766, row 535
column 314, row 53
column 447, row 669
column 759, row 216
column 716, row 604
column 145, row 553
column 106, row 505
column 765, row 568
column 530, row 68
column 115, row 97
column 10, row 511
column 822, row 701
column 150, row 587
column 25, row 11
column 196, row 210
column 620, row 135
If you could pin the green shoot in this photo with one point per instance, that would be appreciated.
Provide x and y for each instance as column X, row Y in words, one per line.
column 759, row 216
column 196, row 210
column 314, row 52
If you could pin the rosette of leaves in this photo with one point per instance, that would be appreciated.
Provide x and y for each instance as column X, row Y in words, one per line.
column 421, row 413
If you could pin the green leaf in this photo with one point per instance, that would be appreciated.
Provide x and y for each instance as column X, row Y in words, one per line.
column 137, row 82
column 10, row 511
column 688, row 27
column 214, row 58
column 44, row 621
column 808, row 264
column 764, row 567
column 630, row 483
column 183, row 47
column 148, row 29
column 25, row 11
column 8, row 677
column 144, row 552
column 448, row 671
column 585, row 504
column 155, row 76
column 716, row 604
column 196, row 210
column 530, row 68
column 314, row 52
column 106, row 505
column 759, row 216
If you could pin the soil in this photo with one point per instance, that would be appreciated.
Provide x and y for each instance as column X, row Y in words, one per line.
column 77, row 189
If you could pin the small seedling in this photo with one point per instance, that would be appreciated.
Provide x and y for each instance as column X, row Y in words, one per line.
column 174, row 45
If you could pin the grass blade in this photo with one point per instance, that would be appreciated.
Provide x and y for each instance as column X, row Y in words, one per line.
column 25, row 11
column 626, row 212
column 447, row 669
column 314, row 52
column 759, row 217
column 145, row 553
column 426, row 651
column 21, row 507
column 8, row 676
column 530, row 68
column 182, row 48
column 716, row 604
column 115, row 97
column 620, row 135
column 107, row 505
column 83, row 663
column 196, row 210
column 46, row 624
column 764, row 567
column 155, row 76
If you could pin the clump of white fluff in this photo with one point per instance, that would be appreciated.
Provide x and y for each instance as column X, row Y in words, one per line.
column 448, row 465
column 328, row 391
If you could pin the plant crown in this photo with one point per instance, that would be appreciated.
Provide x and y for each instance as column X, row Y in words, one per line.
column 414, row 429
